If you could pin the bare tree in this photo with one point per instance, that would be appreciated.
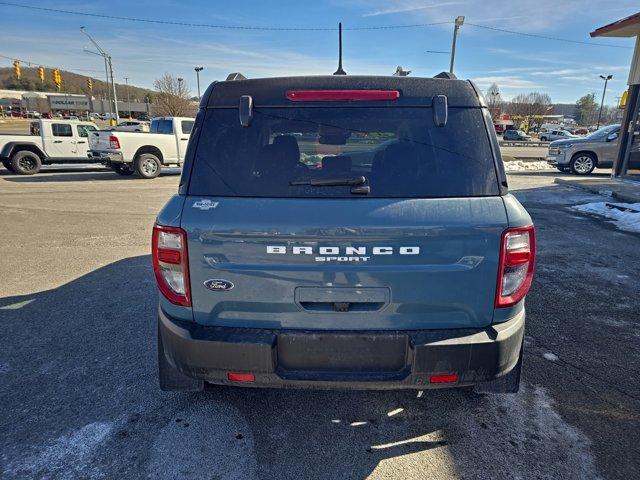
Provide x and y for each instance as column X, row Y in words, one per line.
column 493, row 97
column 530, row 105
column 172, row 97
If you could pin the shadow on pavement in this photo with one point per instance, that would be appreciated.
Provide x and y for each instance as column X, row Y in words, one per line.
column 76, row 176
column 80, row 400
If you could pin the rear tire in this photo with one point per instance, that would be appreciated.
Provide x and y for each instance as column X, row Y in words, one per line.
column 543, row 139
column 171, row 380
column 122, row 169
column 26, row 163
column 7, row 165
column 148, row 165
column 582, row 164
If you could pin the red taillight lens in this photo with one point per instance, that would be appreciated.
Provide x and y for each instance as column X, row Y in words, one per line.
column 444, row 378
column 171, row 263
column 241, row 377
column 114, row 143
column 341, row 95
column 517, row 260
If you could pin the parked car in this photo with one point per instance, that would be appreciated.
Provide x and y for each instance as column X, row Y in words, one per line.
column 395, row 265
column 129, row 152
column 132, row 126
column 49, row 142
column 517, row 135
column 47, row 115
column 581, row 155
column 553, row 135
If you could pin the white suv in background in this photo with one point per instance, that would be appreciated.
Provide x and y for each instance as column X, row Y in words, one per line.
column 132, row 126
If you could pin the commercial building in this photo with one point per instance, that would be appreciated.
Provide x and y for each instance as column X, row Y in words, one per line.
column 62, row 102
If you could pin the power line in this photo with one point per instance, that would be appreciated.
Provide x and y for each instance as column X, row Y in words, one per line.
column 209, row 25
column 545, row 37
column 298, row 29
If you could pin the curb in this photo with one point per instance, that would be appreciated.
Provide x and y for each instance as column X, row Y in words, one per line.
column 623, row 197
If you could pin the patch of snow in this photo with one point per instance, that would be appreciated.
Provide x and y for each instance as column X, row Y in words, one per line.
column 552, row 357
column 628, row 219
column 523, row 166
column 68, row 456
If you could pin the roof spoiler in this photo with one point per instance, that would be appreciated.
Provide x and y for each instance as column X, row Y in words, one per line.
column 235, row 76
column 447, row 75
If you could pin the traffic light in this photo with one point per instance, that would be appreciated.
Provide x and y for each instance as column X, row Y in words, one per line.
column 16, row 69
column 90, row 84
column 41, row 73
column 57, row 78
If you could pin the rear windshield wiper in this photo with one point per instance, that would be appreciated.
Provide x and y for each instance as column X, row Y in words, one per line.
column 331, row 182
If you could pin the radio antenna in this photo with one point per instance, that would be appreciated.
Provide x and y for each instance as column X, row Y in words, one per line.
column 340, row 71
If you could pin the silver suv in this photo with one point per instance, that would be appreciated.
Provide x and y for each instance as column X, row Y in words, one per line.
column 581, row 155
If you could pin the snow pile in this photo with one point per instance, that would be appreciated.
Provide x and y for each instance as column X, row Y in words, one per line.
column 625, row 216
column 522, row 165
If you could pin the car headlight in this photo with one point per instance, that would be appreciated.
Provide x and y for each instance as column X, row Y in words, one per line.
column 562, row 147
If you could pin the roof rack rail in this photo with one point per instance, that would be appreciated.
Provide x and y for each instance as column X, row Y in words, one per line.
column 235, row 76
column 447, row 75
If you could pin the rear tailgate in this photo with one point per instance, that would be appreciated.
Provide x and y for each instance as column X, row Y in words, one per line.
column 100, row 140
column 413, row 264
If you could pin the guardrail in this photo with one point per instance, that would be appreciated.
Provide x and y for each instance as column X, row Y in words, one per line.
column 522, row 143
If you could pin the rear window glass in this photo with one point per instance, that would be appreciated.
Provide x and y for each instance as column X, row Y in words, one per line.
column 187, row 126
column 61, row 130
column 399, row 151
column 161, row 126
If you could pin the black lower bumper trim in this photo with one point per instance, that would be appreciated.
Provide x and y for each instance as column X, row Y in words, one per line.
column 338, row 359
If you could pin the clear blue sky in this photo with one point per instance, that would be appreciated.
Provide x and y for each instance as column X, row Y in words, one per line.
column 517, row 64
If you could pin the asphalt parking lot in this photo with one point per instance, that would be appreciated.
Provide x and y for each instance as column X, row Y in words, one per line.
column 78, row 385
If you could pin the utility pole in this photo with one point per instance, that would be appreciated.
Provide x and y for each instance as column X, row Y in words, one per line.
column 459, row 21
column 109, row 71
column 198, row 70
column 126, row 82
column 604, row 92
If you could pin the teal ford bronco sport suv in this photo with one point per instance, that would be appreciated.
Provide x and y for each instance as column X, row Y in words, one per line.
column 342, row 232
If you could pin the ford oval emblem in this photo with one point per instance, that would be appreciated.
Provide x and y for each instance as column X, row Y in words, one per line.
column 217, row 284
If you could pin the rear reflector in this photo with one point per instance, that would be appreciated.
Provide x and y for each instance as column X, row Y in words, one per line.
column 444, row 378
column 241, row 377
column 341, row 95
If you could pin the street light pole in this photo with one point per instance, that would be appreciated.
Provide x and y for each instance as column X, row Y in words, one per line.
column 107, row 59
column 126, row 82
column 198, row 70
column 604, row 92
column 459, row 21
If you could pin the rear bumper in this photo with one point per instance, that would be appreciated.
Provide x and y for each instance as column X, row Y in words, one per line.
column 342, row 360
column 106, row 157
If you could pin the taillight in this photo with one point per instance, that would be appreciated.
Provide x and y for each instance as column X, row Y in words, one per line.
column 341, row 95
column 114, row 143
column 171, row 263
column 517, row 259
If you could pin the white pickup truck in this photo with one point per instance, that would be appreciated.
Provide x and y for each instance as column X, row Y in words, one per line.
column 140, row 152
column 48, row 142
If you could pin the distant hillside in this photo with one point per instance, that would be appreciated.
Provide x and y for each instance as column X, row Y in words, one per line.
column 71, row 83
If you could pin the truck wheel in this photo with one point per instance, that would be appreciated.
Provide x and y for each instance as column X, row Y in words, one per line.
column 172, row 380
column 582, row 164
column 148, row 165
column 26, row 163
column 123, row 169
column 7, row 165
